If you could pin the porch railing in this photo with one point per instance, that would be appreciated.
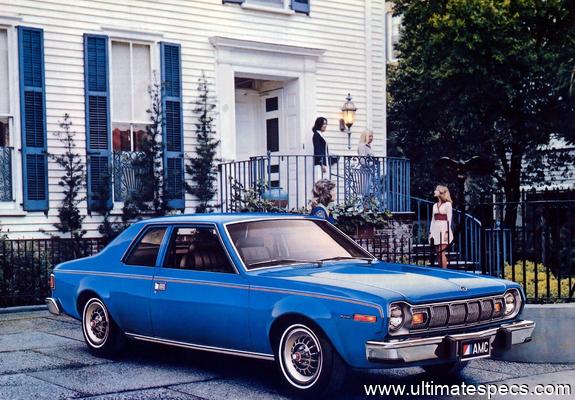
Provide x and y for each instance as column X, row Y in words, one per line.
column 466, row 251
column 291, row 177
column 5, row 173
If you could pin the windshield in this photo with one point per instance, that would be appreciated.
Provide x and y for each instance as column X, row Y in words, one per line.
column 288, row 241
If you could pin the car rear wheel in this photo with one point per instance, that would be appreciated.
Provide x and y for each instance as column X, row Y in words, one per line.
column 309, row 364
column 101, row 333
column 448, row 369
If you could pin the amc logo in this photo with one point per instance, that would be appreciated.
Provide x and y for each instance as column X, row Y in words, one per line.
column 476, row 348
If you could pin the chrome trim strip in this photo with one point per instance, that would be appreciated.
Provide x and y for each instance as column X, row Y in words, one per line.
column 53, row 306
column 109, row 274
column 296, row 217
column 274, row 290
column 242, row 353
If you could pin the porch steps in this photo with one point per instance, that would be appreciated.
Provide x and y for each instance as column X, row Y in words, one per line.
column 422, row 252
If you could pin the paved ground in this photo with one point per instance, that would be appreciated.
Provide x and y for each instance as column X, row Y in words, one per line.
column 44, row 357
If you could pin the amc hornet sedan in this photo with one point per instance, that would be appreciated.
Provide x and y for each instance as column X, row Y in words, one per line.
column 292, row 289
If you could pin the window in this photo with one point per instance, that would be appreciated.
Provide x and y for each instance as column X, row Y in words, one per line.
column 6, row 119
column 280, row 6
column 393, row 32
column 146, row 251
column 197, row 249
column 131, row 77
column 279, row 242
column 270, row 3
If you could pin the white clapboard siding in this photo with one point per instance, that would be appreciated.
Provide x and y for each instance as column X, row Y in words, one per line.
column 351, row 32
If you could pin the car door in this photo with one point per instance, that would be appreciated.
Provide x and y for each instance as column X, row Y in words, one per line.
column 131, row 288
column 198, row 296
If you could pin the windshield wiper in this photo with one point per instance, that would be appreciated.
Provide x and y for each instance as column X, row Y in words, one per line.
column 337, row 258
column 283, row 261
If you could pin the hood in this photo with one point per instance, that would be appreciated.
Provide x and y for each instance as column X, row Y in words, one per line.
column 393, row 281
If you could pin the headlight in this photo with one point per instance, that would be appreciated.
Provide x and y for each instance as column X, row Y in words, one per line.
column 396, row 317
column 511, row 302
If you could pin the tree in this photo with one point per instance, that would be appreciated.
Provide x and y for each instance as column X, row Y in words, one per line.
column 201, row 166
column 481, row 77
column 74, row 179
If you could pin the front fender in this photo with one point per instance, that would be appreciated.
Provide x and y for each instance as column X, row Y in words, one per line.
column 334, row 317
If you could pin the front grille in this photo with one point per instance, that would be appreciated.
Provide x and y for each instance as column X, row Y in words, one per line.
column 459, row 313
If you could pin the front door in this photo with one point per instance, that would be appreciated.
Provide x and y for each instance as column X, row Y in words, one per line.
column 274, row 138
column 198, row 296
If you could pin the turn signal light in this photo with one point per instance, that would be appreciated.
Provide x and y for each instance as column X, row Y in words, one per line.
column 364, row 318
column 418, row 318
column 497, row 307
column 52, row 282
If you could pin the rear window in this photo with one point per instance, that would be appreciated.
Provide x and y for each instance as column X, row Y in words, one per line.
column 145, row 252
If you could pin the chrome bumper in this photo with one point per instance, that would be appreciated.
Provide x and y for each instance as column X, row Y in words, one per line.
column 53, row 306
column 445, row 347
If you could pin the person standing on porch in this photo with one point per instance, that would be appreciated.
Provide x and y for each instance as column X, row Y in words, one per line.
column 323, row 194
column 320, row 149
column 440, row 227
column 364, row 147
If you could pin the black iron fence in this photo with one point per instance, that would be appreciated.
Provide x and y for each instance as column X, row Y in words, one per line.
column 532, row 242
column 25, row 266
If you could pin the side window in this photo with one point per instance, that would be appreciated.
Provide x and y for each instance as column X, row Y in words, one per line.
column 146, row 251
column 197, row 249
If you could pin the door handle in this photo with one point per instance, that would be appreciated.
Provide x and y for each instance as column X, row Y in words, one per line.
column 159, row 286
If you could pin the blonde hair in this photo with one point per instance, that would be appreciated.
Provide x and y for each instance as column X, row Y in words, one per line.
column 363, row 139
column 445, row 196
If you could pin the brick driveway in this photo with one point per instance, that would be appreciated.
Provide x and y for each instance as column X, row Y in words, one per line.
column 44, row 357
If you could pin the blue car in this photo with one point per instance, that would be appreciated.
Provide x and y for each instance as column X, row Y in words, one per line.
column 292, row 289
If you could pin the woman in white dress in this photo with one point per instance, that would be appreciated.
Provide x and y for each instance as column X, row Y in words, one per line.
column 440, row 228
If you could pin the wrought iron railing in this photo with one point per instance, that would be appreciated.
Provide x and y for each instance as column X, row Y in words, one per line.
column 130, row 170
column 5, row 173
column 466, row 250
column 26, row 264
column 292, row 177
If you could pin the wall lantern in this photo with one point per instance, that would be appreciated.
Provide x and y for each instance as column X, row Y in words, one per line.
column 347, row 118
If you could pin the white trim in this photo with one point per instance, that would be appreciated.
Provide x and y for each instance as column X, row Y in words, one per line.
column 10, row 21
column 221, row 42
column 368, row 65
column 14, row 207
column 276, row 10
column 119, row 33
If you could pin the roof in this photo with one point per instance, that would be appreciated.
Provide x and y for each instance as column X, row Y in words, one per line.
column 222, row 218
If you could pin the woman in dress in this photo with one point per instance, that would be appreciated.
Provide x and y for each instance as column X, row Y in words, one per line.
column 323, row 194
column 320, row 148
column 440, row 228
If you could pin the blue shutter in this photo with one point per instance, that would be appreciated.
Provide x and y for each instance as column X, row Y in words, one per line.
column 173, row 125
column 33, row 118
column 300, row 6
column 97, row 98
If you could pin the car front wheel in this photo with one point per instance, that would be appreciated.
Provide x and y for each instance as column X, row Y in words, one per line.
column 101, row 333
column 309, row 364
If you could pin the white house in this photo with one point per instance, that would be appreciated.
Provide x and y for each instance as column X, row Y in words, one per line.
column 273, row 67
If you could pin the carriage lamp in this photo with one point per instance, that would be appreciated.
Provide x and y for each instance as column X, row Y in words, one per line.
column 347, row 118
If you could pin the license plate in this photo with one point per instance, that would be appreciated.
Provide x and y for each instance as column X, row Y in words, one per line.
column 477, row 348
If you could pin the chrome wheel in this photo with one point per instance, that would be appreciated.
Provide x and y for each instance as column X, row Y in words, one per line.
column 96, row 322
column 301, row 355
